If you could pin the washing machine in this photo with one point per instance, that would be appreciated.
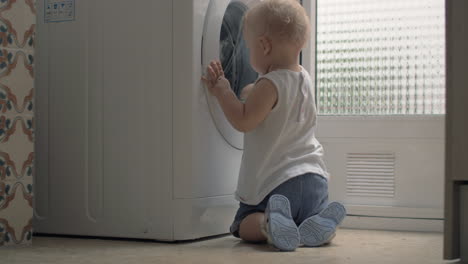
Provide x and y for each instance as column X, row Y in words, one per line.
column 129, row 143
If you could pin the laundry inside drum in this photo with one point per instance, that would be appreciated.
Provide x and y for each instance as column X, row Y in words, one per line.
column 234, row 55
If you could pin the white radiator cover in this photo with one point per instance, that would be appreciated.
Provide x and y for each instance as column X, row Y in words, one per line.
column 386, row 167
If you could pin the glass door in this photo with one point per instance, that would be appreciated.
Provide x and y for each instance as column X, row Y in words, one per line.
column 380, row 93
column 223, row 40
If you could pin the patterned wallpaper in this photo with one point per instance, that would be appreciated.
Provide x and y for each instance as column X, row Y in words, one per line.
column 17, row 29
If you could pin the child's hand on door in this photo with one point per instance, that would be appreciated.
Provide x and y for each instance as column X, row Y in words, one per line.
column 215, row 80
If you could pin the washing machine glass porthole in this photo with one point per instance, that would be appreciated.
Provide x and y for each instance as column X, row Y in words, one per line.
column 234, row 55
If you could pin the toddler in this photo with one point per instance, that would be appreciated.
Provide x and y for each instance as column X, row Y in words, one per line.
column 283, row 181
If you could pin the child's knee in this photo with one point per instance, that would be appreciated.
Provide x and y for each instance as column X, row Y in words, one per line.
column 250, row 228
column 251, row 235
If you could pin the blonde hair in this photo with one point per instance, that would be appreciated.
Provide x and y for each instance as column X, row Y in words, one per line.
column 285, row 20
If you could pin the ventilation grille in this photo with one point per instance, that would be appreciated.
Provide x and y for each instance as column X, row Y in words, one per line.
column 371, row 174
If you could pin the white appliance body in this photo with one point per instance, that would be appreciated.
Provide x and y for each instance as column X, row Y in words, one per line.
column 128, row 142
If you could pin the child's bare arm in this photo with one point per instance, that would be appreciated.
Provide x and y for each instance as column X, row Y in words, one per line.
column 246, row 91
column 259, row 104
column 243, row 117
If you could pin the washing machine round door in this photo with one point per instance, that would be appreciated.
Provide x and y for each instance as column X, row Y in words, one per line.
column 223, row 40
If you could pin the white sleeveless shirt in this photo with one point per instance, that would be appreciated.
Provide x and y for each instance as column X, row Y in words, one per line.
column 283, row 146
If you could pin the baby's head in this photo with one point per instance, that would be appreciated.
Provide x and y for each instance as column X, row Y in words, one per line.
column 275, row 30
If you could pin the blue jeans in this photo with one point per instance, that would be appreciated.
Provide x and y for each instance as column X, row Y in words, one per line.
column 307, row 194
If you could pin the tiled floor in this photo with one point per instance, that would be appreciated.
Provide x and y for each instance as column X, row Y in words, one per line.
column 350, row 246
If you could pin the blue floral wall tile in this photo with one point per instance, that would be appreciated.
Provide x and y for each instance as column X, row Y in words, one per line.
column 15, row 213
column 16, row 148
column 17, row 31
column 16, row 82
column 17, row 23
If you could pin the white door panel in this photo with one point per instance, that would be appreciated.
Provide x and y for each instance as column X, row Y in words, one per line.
column 414, row 143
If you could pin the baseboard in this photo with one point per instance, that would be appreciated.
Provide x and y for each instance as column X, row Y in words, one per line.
column 395, row 211
column 393, row 224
